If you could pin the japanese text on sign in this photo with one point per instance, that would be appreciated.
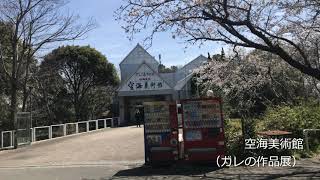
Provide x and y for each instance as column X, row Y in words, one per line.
column 283, row 143
column 260, row 161
column 145, row 79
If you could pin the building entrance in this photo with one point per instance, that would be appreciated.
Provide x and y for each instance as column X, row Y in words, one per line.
column 136, row 102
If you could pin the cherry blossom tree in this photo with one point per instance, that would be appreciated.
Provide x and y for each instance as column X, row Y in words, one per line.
column 249, row 84
column 288, row 29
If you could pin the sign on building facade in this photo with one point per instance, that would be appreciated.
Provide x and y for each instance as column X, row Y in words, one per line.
column 145, row 79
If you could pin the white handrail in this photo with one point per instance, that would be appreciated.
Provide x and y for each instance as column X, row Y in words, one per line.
column 82, row 122
column 104, row 122
column 34, row 129
column 96, row 122
column 57, row 125
column 76, row 125
column 42, row 127
column 11, row 139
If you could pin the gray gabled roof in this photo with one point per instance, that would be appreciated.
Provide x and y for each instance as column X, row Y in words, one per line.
column 140, row 54
column 189, row 68
column 194, row 63
column 182, row 83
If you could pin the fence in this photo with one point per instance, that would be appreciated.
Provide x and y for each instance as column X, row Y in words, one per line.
column 58, row 130
column 6, row 139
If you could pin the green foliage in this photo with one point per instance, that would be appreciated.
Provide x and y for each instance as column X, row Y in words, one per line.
column 314, row 141
column 4, row 114
column 292, row 118
column 163, row 69
column 78, row 71
column 5, row 50
column 99, row 101
column 83, row 62
column 5, row 32
column 5, row 69
column 233, row 135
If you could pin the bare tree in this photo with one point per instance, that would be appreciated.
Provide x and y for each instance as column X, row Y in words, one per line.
column 285, row 28
column 35, row 24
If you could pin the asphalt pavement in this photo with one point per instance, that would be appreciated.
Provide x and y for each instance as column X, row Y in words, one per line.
column 119, row 154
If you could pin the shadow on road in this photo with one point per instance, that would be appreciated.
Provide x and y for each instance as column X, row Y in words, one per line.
column 176, row 170
column 298, row 173
column 207, row 172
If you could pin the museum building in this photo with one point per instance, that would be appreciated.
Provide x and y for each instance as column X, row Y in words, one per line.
column 141, row 82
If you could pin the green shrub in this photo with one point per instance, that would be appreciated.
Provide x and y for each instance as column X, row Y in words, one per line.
column 234, row 138
column 294, row 119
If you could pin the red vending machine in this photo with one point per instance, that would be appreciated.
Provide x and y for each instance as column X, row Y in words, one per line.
column 203, row 130
column 160, row 132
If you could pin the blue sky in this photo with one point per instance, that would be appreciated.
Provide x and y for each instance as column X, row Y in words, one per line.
column 110, row 39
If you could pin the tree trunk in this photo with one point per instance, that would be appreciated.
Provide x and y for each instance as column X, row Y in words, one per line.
column 76, row 108
column 14, row 88
column 25, row 97
column 25, row 83
column 13, row 108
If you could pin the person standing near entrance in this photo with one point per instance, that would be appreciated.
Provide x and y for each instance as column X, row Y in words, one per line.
column 138, row 117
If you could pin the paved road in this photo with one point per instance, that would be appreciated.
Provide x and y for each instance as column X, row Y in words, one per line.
column 118, row 154
column 87, row 153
